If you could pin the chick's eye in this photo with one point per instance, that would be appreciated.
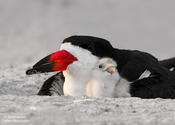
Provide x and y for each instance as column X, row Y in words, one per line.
column 100, row 66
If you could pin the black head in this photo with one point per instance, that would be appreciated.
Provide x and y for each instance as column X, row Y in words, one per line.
column 84, row 50
column 97, row 46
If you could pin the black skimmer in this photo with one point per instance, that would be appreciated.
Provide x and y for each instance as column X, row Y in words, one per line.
column 78, row 56
column 76, row 59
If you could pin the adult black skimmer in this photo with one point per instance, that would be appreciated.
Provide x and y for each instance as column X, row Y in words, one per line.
column 76, row 58
column 79, row 55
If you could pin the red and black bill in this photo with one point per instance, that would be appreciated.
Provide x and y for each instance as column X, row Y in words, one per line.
column 58, row 61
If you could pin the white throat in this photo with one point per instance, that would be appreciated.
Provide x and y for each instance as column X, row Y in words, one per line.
column 78, row 73
column 75, row 85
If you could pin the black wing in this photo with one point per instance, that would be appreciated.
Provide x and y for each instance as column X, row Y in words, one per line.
column 168, row 63
column 132, row 63
column 154, row 87
column 53, row 85
column 160, row 83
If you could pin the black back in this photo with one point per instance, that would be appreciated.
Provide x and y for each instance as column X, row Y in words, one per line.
column 132, row 63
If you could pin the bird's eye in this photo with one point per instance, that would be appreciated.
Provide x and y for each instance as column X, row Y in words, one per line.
column 100, row 66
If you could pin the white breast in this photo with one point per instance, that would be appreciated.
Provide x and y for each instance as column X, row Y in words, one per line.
column 78, row 73
column 102, row 84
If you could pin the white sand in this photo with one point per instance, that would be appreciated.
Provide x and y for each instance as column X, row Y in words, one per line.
column 19, row 105
column 29, row 30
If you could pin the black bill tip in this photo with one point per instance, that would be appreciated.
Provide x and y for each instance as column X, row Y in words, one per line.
column 48, row 67
column 31, row 71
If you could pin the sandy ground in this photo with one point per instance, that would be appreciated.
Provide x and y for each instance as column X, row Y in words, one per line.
column 20, row 105
column 29, row 30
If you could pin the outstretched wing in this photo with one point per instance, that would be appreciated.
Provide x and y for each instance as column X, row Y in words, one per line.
column 53, row 85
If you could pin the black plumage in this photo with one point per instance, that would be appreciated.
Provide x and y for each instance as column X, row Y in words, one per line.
column 48, row 87
column 97, row 46
column 161, row 82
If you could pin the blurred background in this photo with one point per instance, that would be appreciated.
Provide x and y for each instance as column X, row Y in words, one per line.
column 31, row 29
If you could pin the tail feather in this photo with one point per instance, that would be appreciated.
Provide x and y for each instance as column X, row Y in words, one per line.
column 168, row 63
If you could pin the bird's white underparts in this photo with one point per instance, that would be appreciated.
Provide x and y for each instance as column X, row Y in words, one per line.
column 79, row 72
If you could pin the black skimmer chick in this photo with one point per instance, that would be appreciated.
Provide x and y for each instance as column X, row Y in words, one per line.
column 78, row 56
column 103, row 79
